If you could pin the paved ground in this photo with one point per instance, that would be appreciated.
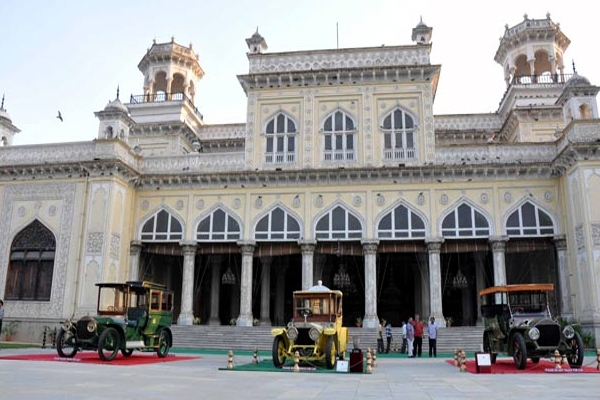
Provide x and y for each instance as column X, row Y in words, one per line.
column 394, row 378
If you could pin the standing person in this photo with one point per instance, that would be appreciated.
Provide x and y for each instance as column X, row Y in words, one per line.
column 1, row 314
column 380, row 348
column 404, row 341
column 410, row 337
column 388, row 335
column 432, row 331
column 418, row 346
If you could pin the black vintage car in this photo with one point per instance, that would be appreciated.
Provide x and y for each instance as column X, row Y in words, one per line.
column 518, row 322
column 130, row 316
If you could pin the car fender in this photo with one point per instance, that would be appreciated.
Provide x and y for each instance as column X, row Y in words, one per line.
column 329, row 331
column 278, row 331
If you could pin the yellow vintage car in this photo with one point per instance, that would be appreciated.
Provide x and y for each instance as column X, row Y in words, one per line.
column 315, row 331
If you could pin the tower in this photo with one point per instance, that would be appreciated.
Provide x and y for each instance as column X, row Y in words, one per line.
column 115, row 122
column 7, row 129
column 256, row 43
column 578, row 99
column 421, row 34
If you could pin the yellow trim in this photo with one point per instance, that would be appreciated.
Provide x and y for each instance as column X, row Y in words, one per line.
column 518, row 288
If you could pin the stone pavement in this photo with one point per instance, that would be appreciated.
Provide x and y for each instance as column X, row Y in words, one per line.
column 203, row 378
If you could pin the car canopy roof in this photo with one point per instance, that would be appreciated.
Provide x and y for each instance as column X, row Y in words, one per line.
column 529, row 287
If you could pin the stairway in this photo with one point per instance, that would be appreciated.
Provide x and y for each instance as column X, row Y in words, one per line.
column 209, row 337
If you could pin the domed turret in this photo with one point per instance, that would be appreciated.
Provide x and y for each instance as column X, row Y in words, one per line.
column 7, row 129
column 578, row 98
column 115, row 122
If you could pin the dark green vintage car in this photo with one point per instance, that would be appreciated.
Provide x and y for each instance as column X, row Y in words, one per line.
column 130, row 316
column 518, row 323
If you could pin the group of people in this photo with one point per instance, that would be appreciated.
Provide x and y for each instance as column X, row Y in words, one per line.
column 412, row 336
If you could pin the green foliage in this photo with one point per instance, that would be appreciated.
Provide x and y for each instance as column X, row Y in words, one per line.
column 197, row 320
column 10, row 328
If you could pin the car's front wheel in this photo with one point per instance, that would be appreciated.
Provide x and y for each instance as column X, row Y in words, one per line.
column 330, row 352
column 164, row 344
column 127, row 352
column 66, row 343
column 279, row 351
column 519, row 351
column 487, row 347
column 109, row 344
column 575, row 359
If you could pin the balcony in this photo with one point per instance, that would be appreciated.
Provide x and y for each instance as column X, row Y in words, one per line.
column 163, row 97
column 399, row 154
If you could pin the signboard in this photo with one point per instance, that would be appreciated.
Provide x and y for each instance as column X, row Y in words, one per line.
column 341, row 366
column 483, row 363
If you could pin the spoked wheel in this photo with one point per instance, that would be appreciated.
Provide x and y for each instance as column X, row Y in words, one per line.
column 278, row 351
column 487, row 347
column 109, row 344
column 330, row 352
column 519, row 351
column 127, row 352
column 164, row 344
column 66, row 343
column 575, row 359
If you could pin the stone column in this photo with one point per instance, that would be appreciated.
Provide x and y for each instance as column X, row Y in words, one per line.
column 371, row 320
column 566, row 307
column 434, row 245
column 135, row 249
column 498, row 251
column 279, row 293
column 265, row 291
column 318, row 266
column 479, row 283
column 308, row 250
column 246, row 318
column 215, row 288
column 186, row 315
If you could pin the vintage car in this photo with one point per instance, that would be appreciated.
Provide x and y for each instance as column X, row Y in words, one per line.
column 130, row 316
column 518, row 322
column 315, row 331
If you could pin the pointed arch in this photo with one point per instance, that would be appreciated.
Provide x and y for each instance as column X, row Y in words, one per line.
column 338, row 223
column 162, row 226
column 280, row 133
column 31, row 267
column 465, row 220
column 528, row 219
column 401, row 221
column 219, row 225
column 399, row 129
column 278, row 223
column 339, row 136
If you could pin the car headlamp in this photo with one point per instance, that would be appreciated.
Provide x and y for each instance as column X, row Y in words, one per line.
column 569, row 332
column 91, row 326
column 534, row 333
column 66, row 326
column 292, row 333
column 314, row 334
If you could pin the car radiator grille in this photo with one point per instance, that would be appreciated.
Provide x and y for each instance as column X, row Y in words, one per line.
column 303, row 338
column 82, row 332
column 549, row 335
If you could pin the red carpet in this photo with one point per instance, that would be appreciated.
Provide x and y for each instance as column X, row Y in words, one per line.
column 507, row 366
column 89, row 357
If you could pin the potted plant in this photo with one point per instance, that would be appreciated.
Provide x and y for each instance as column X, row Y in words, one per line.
column 256, row 322
column 197, row 320
column 9, row 330
column 358, row 322
column 449, row 321
column 233, row 321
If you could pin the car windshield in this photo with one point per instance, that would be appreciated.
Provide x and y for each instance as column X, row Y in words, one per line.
column 528, row 303
column 112, row 299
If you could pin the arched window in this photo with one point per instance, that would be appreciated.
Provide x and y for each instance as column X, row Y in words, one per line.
column 529, row 220
column 280, row 135
column 339, row 130
column 465, row 221
column 278, row 224
column 218, row 226
column 401, row 223
column 31, row 266
column 162, row 227
column 398, row 136
column 338, row 223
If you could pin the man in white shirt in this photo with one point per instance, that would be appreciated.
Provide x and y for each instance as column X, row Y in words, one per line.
column 404, row 341
column 432, row 331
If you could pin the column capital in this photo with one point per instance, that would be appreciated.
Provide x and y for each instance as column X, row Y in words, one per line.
column 189, row 248
column 560, row 242
column 135, row 247
column 498, row 243
column 369, row 246
column 307, row 246
column 434, row 244
column 247, row 247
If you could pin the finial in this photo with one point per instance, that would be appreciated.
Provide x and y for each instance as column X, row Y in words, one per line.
column 154, row 41
column 172, row 39
column 548, row 15
column 2, row 105
column 256, row 28
column 191, row 46
column 117, row 92
column 525, row 17
column 574, row 70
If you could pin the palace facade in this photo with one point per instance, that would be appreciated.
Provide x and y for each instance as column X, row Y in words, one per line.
column 341, row 173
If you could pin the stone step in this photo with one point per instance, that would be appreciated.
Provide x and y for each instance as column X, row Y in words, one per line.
column 247, row 338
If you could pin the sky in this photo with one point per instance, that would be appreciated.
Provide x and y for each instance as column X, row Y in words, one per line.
column 71, row 55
